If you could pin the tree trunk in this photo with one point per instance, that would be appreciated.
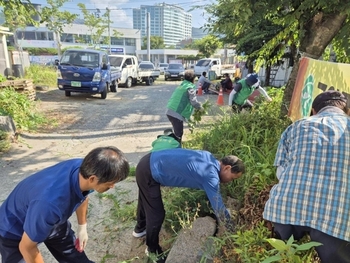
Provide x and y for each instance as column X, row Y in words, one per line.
column 267, row 75
column 318, row 33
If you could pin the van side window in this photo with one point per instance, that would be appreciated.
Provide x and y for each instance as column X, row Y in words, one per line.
column 215, row 62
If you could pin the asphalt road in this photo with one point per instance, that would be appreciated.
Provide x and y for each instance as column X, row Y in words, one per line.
column 129, row 119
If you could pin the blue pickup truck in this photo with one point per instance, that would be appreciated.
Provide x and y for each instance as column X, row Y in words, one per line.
column 86, row 71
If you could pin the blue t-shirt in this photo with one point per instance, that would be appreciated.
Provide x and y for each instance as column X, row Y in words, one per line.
column 191, row 169
column 42, row 201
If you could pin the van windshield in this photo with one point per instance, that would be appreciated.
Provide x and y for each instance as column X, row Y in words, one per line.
column 203, row 62
column 80, row 58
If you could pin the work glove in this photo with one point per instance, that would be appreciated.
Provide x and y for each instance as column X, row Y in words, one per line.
column 82, row 238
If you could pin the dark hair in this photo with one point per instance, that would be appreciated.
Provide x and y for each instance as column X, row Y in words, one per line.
column 108, row 164
column 189, row 75
column 237, row 166
column 204, row 73
column 330, row 98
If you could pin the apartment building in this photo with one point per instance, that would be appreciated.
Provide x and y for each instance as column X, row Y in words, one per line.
column 170, row 22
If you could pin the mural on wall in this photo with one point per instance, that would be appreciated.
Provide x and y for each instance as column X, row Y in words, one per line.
column 314, row 77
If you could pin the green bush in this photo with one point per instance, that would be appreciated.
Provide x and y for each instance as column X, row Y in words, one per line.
column 20, row 108
column 252, row 136
column 4, row 141
column 42, row 75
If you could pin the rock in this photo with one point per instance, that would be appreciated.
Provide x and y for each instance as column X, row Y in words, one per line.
column 191, row 244
column 7, row 125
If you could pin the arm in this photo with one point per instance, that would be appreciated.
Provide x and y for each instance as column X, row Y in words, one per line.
column 29, row 250
column 82, row 235
column 193, row 98
column 81, row 212
column 264, row 93
column 212, row 190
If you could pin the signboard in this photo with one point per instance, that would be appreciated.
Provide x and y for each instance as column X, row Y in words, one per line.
column 314, row 77
column 114, row 49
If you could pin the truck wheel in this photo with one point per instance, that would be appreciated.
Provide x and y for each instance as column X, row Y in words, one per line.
column 149, row 81
column 128, row 82
column 104, row 93
column 67, row 93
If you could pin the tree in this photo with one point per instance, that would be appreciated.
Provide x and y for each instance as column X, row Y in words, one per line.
column 55, row 19
column 21, row 9
column 98, row 24
column 156, row 42
column 308, row 26
column 207, row 45
column 24, row 16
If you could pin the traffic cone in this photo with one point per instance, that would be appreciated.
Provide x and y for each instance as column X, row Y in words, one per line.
column 200, row 91
column 220, row 100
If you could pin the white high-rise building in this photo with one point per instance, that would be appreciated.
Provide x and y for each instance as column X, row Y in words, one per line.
column 170, row 22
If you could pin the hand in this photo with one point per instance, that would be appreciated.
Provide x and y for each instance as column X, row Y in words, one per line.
column 82, row 238
column 201, row 109
column 269, row 99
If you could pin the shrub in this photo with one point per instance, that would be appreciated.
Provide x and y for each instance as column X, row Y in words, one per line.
column 42, row 75
column 20, row 108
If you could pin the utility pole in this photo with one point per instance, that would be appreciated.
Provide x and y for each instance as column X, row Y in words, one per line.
column 148, row 36
column 109, row 30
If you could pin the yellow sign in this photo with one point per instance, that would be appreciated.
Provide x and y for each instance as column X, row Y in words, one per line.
column 314, row 77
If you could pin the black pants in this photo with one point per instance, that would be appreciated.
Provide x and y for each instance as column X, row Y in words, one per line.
column 150, row 208
column 60, row 243
column 178, row 127
column 333, row 250
column 205, row 87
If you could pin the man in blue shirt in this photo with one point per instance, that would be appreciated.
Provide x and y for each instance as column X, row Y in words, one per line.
column 37, row 210
column 179, row 168
column 313, row 190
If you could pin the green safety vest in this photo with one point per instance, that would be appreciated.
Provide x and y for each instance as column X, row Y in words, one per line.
column 179, row 101
column 241, row 97
column 164, row 142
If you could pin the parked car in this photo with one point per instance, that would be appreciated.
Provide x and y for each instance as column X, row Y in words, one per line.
column 174, row 71
column 163, row 67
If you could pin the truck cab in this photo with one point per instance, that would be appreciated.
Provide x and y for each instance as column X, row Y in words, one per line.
column 207, row 64
column 86, row 71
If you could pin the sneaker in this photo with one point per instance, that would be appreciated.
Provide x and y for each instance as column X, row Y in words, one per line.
column 141, row 234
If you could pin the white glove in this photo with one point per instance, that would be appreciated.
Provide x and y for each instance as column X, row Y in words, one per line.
column 82, row 237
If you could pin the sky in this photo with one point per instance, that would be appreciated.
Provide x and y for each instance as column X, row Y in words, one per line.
column 121, row 10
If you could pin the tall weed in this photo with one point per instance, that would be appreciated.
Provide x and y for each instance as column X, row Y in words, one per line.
column 42, row 75
column 20, row 108
column 252, row 136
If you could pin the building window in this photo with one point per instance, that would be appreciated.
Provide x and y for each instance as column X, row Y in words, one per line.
column 117, row 41
column 67, row 38
column 41, row 35
column 130, row 42
column 26, row 35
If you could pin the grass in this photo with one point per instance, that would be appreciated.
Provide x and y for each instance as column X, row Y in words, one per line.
column 42, row 75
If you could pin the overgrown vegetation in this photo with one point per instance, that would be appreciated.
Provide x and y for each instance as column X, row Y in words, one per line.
column 42, row 75
column 20, row 108
column 5, row 143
